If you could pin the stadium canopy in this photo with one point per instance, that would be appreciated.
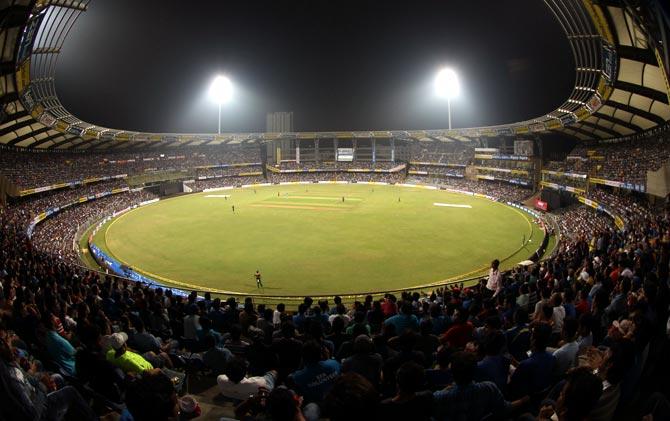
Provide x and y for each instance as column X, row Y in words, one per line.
column 621, row 85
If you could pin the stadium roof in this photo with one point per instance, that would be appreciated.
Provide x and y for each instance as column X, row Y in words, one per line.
column 621, row 84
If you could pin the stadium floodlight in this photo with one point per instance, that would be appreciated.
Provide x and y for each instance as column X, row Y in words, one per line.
column 446, row 86
column 221, row 91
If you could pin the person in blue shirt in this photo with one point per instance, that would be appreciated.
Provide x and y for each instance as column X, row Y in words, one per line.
column 405, row 320
column 467, row 399
column 337, row 300
column 317, row 377
column 518, row 336
column 319, row 317
column 59, row 349
column 208, row 330
column 534, row 374
column 440, row 322
column 494, row 367
column 618, row 306
column 568, row 303
column 300, row 318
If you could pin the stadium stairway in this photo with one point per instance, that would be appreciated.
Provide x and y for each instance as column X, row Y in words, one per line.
column 212, row 404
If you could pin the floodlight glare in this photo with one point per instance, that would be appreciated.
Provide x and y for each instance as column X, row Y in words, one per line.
column 446, row 83
column 221, row 90
column 446, row 86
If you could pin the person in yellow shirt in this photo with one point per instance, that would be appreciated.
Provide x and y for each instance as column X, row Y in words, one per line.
column 132, row 362
column 119, row 355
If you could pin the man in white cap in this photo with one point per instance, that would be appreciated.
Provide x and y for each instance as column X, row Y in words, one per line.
column 120, row 356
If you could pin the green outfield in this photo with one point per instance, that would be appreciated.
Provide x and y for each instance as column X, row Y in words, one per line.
column 318, row 239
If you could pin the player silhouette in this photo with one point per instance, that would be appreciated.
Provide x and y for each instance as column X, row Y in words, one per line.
column 259, row 283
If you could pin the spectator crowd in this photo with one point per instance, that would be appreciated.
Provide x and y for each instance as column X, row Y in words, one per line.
column 33, row 205
column 626, row 160
column 442, row 152
column 438, row 170
column 213, row 183
column 497, row 189
column 237, row 171
column 579, row 336
column 30, row 169
column 337, row 165
column 352, row 177
column 575, row 337
column 580, row 221
column 57, row 235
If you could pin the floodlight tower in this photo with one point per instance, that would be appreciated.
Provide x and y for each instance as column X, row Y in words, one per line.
column 446, row 86
column 220, row 92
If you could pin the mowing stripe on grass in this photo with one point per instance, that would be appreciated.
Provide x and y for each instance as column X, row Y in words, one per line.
column 274, row 201
column 319, row 208
column 357, row 199
column 450, row 205
column 218, row 195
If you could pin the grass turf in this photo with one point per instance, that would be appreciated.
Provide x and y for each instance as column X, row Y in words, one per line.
column 305, row 240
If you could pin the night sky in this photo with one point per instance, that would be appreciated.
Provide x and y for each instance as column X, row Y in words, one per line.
column 339, row 65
